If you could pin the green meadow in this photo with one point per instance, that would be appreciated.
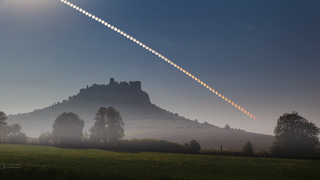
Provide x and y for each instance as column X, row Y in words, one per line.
column 48, row 162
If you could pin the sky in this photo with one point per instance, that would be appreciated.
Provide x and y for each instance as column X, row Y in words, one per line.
column 263, row 55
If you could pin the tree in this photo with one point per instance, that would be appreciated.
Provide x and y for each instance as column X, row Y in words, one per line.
column 67, row 129
column 3, row 125
column 98, row 132
column 186, row 146
column 194, row 146
column 14, row 129
column 11, row 134
column 3, row 118
column 45, row 138
column 115, row 125
column 227, row 127
column 295, row 136
column 14, row 134
column 248, row 148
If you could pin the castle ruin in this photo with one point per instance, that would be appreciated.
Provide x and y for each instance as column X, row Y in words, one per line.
column 114, row 86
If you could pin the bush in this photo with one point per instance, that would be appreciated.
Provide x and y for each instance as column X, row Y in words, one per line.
column 248, row 148
column 45, row 138
column 194, row 146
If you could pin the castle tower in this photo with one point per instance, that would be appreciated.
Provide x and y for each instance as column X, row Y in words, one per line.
column 111, row 80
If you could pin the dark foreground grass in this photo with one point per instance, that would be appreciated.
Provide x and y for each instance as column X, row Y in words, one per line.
column 46, row 162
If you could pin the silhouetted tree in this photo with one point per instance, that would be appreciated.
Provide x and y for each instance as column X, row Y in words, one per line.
column 248, row 148
column 227, row 127
column 3, row 125
column 67, row 129
column 115, row 125
column 194, row 146
column 295, row 136
column 45, row 138
column 98, row 132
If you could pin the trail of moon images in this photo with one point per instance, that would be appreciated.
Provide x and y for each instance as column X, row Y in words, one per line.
column 160, row 56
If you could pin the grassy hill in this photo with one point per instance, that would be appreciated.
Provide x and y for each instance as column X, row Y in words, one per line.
column 46, row 162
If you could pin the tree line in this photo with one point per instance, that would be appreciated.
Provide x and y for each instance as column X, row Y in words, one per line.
column 295, row 136
column 106, row 133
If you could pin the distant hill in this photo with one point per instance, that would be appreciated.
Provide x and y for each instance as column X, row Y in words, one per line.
column 142, row 118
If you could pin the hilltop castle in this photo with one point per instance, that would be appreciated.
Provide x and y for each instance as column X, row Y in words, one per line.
column 114, row 86
column 115, row 92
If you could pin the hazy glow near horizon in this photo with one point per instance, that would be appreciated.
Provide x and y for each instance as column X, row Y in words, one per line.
column 159, row 55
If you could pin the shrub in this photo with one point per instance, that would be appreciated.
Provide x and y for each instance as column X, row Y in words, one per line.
column 248, row 148
column 194, row 146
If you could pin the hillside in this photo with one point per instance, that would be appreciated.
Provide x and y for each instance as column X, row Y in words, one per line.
column 142, row 118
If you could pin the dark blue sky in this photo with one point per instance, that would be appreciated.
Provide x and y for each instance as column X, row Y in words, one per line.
column 263, row 55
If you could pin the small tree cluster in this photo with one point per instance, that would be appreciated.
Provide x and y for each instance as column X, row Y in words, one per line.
column 193, row 146
column 67, row 129
column 106, row 133
column 12, row 133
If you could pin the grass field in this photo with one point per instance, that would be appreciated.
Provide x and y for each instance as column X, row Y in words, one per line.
column 47, row 162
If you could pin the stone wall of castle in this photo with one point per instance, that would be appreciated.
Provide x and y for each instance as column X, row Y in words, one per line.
column 114, row 86
column 134, row 85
